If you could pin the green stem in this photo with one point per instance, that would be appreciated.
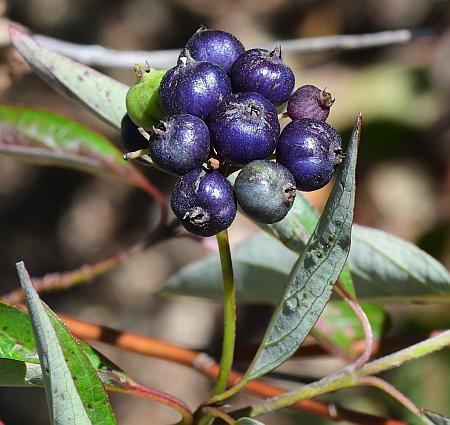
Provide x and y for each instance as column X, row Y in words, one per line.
column 349, row 376
column 229, row 305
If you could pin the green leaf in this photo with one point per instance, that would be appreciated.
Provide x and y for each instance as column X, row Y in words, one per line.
column 98, row 92
column 48, row 138
column 338, row 325
column 17, row 347
column 436, row 418
column 248, row 421
column 315, row 272
column 75, row 394
column 14, row 373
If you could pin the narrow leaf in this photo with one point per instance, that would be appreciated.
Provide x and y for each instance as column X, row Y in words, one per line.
column 75, row 395
column 248, row 421
column 398, row 272
column 48, row 138
column 98, row 92
column 314, row 274
column 436, row 418
column 17, row 345
column 14, row 373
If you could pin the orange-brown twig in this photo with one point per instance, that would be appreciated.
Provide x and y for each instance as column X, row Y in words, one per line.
column 156, row 348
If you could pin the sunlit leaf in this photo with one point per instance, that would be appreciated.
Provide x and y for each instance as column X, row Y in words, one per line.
column 315, row 272
column 75, row 394
column 47, row 138
column 98, row 92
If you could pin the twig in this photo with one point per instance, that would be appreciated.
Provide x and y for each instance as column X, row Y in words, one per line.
column 205, row 364
column 229, row 306
column 217, row 413
column 60, row 281
column 100, row 56
column 347, row 377
column 374, row 381
column 367, row 328
column 133, row 388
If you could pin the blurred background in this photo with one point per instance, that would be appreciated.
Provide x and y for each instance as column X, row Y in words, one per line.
column 56, row 219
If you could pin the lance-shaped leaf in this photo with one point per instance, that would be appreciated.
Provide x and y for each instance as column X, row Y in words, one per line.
column 314, row 274
column 17, row 346
column 436, row 418
column 248, row 421
column 75, row 394
column 98, row 92
column 44, row 137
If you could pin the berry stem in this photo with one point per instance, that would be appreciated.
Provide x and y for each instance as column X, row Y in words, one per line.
column 135, row 154
column 229, row 304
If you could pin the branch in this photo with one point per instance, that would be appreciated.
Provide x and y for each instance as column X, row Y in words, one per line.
column 381, row 384
column 205, row 364
column 133, row 388
column 348, row 377
column 367, row 328
column 60, row 281
column 100, row 56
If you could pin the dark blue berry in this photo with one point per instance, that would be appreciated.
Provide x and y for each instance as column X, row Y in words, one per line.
column 218, row 47
column 309, row 102
column 263, row 72
column 311, row 151
column 193, row 87
column 203, row 201
column 244, row 127
column 179, row 143
column 265, row 191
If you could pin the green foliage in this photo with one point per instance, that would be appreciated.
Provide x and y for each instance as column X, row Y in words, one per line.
column 44, row 137
column 315, row 272
column 101, row 94
column 75, row 394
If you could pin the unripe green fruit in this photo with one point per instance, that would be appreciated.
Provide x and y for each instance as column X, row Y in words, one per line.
column 142, row 99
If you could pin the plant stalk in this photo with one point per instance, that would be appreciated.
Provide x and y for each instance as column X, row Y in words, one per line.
column 229, row 305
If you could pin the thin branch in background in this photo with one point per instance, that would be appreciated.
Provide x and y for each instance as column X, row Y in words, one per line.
column 349, row 377
column 367, row 328
column 205, row 364
column 61, row 281
column 96, row 55
column 374, row 381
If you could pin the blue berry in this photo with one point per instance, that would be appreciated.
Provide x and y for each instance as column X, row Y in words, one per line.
column 203, row 201
column 265, row 191
column 309, row 102
column 193, row 87
column 218, row 47
column 179, row 143
column 311, row 151
column 263, row 72
column 244, row 127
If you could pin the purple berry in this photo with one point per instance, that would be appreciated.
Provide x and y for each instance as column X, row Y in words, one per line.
column 193, row 87
column 218, row 47
column 179, row 143
column 311, row 151
column 309, row 102
column 263, row 72
column 265, row 191
column 203, row 201
column 244, row 127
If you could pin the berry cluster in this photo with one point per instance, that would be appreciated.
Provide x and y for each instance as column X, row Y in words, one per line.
column 217, row 110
